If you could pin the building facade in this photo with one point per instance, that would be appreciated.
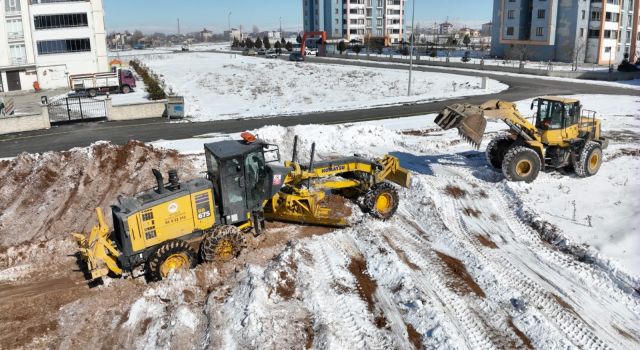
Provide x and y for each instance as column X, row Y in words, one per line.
column 48, row 40
column 356, row 19
column 593, row 31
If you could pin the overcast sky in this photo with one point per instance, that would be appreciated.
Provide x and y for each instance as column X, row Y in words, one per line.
column 162, row 15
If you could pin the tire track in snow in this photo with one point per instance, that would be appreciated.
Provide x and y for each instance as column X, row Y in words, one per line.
column 576, row 330
column 345, row 315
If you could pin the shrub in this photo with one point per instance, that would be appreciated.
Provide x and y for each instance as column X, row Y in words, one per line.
column 153, row 86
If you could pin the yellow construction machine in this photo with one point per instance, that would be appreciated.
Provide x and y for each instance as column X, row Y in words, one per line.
column 561, row 135
column 179, row 224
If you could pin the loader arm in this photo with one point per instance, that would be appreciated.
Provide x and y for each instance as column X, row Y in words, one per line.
column 471, row 120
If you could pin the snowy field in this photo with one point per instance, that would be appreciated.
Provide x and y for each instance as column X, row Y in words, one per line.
column 221, row 86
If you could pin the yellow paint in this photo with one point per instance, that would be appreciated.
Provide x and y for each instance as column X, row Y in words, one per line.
column 174, row 262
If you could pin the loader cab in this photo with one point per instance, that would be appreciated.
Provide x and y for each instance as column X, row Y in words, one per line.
column 241, row 178
column 556, row 118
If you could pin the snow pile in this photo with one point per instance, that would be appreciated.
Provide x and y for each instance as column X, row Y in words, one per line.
column 221, row 86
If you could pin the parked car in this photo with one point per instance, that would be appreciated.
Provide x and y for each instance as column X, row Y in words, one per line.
column 296, row 57
column 249, row 52
column 262, row 52
column 271, row 54
column 311, row 51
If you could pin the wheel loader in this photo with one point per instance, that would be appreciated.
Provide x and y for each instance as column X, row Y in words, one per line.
column 178, row 224
column 561, row 134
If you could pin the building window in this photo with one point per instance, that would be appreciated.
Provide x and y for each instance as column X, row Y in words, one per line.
column 541, row 13
column 584, row 14
column 12, row 6
column 511, row 14
column 581, row 32
column 50, row 47
column 595, row 15
column 539, row 31
column 18, row 54
column 594, row 33
column 61, row 21
column 510, row 30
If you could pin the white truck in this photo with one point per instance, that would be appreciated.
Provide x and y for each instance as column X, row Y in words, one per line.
column 121, row 81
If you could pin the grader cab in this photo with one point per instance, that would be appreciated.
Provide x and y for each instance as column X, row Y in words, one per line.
column 179, row 224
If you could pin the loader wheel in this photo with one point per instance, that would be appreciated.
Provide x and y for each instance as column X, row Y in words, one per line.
column 588, row 162
column 126, row 89
column 171, row 256
column 497, row 149
column 93, row 93
column 521, row 164
column 382, row 201
column 222, row 244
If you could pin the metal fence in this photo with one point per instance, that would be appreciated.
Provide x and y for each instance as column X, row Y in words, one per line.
column 76, row 109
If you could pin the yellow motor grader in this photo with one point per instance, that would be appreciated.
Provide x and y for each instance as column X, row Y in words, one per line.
column 562, row 135
column 179, row 224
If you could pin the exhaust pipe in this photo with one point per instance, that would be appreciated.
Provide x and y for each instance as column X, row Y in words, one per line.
column 174, row 180
column 294, row 158
column 159, row 180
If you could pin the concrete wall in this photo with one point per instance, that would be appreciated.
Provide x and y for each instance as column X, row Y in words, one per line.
column 13, row 124
column 151, row 109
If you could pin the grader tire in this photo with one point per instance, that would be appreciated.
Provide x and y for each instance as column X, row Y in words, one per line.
column 589, row 160
column 222, row 244
column 173, row 255
column 381, row 201
column 497, row 149
column 521, row 164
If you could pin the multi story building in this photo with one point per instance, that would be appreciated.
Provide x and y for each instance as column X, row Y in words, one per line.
column 48, row 40
column 593, row 31
column 356, row 19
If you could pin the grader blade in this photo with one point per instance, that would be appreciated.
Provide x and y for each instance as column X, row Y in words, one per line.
column 468, row 119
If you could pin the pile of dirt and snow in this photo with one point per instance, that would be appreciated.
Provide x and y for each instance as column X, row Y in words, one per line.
column 53, row 194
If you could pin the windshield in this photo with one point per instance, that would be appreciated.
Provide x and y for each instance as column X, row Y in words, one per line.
column 212, row 167
column 256, row 177
column 550, row 115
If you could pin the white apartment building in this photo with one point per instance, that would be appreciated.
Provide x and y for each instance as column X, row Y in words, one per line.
column 48, row 40
column 356, row 19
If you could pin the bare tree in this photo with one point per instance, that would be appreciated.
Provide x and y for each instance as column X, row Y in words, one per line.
column 517, row 52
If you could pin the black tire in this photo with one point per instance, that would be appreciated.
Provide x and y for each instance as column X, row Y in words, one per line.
column 381, row 201
column 497, row 149
column 126, row 89
column 222, row 244
column 179, row 250
column 521, row 164
column 92, row 93
column 588, row 162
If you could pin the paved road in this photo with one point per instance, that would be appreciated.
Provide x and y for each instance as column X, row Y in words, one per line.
column 80, row 135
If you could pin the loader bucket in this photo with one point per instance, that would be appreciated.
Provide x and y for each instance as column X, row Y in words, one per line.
column 468, row 119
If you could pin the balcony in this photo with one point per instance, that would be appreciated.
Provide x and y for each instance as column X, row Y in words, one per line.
column 15, row 36
column 17, row 61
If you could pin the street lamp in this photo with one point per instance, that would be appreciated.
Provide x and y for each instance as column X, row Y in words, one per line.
column 413, row 38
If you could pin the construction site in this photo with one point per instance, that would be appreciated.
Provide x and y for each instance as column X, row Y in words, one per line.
column 225, row 194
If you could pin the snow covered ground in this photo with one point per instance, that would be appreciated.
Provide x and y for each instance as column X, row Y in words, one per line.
column 220, row 86
column 470, row 260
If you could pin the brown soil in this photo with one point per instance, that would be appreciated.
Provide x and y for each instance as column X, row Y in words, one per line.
column 308, row 330
column 525, row 340
column 459, row 277
column 381, row 321
column 485, row 241
column 286, row 287
column 471, row 212
column 494, row 217
column 414, row 337
column 337, row 205
column 366, row 285
column 424, row 132
column 56, row 192
column 624, row 333
column 624, row 152
column 455, row 192
column 401, row 254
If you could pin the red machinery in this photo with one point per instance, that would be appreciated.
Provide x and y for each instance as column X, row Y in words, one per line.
column 322, row 49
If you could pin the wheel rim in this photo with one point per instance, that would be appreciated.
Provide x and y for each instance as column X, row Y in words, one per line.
column 594, row 161
column 174, row 262
column 523, row 168
column 224, row 250
column 384, row 203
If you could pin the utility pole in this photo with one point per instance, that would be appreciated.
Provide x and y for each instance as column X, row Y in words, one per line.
column 280, row 26
column 230, row 33
column 178, row 26
column 413, row 38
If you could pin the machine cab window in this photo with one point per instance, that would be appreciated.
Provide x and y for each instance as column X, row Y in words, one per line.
column 256, row 177
column 550, row 115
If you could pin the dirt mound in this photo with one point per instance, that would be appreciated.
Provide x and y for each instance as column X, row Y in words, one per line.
column 54, row 194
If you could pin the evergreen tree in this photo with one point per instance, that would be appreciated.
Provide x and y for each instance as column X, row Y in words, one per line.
column 357, row 49
column 289, row 46
column 467, row 40
column 283, row 42
column 342, row 46
column 258, row 44
column 299, row 39
column 278, row 47
column 249, row 43
column 236, row 43
column 267, row 44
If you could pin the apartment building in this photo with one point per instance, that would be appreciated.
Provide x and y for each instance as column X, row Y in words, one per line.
column 48, row 40
column 356, row 19
column 593, row 31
